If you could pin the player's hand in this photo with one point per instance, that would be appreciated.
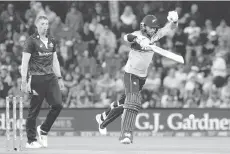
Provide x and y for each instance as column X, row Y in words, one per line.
column 25, row 87
column 172, row 16
column 28, row 85
column 144, row 42
column 148, row 48
column 61, row 84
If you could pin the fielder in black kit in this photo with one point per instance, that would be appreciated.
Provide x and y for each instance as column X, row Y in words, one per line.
column 41, row 76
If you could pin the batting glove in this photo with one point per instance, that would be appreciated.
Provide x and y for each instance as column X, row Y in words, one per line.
column 172, row 16
column 144, row 42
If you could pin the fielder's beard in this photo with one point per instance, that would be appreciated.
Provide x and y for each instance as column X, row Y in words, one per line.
column 42, row 32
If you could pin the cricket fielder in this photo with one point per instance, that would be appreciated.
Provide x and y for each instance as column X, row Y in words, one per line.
column 135, row 75
column 41, row 74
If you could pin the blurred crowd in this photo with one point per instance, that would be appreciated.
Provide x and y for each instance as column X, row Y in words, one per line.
column 92, row 55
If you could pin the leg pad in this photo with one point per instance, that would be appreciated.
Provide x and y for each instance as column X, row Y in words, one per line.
column 113, row 114
column 133, row 101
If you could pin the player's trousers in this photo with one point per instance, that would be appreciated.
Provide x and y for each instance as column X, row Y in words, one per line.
column 47, row 88
column 132, row 105
column 133, row 83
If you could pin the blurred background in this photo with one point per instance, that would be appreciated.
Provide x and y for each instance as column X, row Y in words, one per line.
column 92, row 52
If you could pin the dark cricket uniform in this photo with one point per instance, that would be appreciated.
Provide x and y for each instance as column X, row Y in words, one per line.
column 44, row 82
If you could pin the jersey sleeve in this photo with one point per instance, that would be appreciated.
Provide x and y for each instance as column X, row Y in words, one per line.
column 136, row 33
column 131, row 36
column 54, row 44
column 28, row 46
column 164, row 31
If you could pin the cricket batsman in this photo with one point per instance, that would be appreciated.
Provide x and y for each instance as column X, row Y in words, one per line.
column 140, row 57
column 41, row 77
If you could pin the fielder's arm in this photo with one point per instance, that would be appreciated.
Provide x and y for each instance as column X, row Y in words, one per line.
column 56, row 66
column 24, row 66
column 26, row 54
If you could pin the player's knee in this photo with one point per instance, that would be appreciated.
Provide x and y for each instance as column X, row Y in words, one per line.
column 57, row 107
column 120, row 109
column 32, row 117
column 120, row 102
column 33, row 114
column 133, row 101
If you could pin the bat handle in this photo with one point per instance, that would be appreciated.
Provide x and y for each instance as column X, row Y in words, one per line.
column 151, row 43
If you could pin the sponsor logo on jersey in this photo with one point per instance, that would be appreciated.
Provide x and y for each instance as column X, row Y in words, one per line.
column 44, row 53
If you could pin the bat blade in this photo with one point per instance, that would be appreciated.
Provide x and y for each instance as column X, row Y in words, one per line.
column 167, row 54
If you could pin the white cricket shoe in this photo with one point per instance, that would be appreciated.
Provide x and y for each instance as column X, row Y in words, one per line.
column 42, row 137
column 126, row 140
column 33, row 145
column 99, row 121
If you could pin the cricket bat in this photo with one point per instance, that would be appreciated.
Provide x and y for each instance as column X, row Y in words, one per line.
column 167, row 54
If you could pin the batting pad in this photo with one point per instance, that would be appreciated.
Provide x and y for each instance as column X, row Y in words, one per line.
column 113, row 114
column 128, row 121
column 133, row 101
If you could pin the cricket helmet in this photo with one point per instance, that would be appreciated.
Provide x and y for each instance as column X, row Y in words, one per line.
column 150, row 21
